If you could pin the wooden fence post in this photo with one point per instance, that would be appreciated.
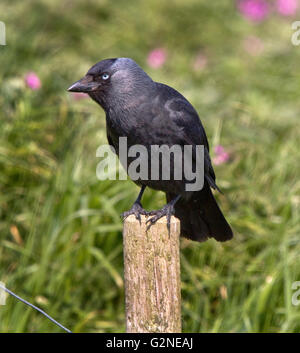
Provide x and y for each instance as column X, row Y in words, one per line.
column 152, row 276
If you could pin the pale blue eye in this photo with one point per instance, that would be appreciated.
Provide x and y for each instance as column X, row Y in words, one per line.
column 105, row 76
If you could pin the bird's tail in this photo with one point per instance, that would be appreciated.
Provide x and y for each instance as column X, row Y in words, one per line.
column 201, row 218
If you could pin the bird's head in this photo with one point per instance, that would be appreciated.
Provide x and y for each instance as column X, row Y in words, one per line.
column 112, row 78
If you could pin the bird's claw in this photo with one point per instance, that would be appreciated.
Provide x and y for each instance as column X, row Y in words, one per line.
column 136, row 210
column 167, row 210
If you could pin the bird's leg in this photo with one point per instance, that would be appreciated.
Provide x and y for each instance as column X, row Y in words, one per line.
column 167, row 211
column 137, row 208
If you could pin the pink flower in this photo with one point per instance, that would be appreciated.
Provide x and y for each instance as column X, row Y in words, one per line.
column 78, row 95
column 157, row 58
column 287, row 7
column 253, row 45
column 254, row 10
column 221, row 156
column 32, row 81
column 200, row 62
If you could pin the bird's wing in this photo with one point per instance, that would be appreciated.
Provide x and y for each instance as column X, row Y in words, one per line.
column 184, row 123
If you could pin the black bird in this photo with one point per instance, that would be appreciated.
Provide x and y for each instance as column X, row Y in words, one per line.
column 151, row 113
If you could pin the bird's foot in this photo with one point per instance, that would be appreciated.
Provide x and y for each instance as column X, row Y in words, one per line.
column 167, row 210
column 136, row 210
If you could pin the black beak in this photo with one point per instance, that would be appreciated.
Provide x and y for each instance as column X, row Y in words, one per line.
column 86, row 84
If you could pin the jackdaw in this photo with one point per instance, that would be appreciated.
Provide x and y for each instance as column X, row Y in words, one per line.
column 150, row 113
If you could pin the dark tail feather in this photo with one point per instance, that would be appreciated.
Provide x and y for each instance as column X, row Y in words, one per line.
column 201, row 217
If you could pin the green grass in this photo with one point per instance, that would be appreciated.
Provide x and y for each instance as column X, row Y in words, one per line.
column 68, row 257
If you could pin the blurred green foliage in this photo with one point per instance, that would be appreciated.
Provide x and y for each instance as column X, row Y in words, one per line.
column 60, row 228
